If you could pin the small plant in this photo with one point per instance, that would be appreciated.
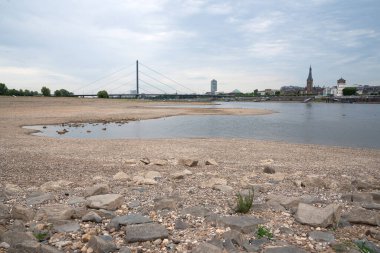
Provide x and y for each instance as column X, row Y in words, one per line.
column 244, row 203
column 41, row 236
column 264, row 232
column 363, row 248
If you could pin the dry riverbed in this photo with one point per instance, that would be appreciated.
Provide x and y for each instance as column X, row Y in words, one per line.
column 76, row 195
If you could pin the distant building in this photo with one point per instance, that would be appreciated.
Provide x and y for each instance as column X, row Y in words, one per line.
column 309, row 83
column 341, row 84
column 214, row 86
column 291, row 90
column 134, row 92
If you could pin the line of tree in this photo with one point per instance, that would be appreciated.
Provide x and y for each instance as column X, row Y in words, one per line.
column 4, row 91
column 45, row 91
column 349, row 91
column 103, row 94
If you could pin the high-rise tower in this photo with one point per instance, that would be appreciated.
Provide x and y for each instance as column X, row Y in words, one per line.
column 309, row 83
column 214, row 86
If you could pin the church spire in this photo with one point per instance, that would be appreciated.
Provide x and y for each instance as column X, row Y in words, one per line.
column 310, row 77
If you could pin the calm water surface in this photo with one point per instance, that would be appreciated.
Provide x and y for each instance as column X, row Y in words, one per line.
column 354, row 125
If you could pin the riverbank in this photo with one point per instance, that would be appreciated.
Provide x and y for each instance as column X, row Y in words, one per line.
column 62, row 171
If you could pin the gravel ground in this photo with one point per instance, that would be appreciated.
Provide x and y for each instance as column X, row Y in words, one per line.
column 29, row 161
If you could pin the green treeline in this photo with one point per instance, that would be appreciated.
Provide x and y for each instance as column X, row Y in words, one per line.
column 4, row 91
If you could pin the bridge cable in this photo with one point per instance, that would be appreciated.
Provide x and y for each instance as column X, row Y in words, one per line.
column 157, row 80
column 152, row 86
column 167, row 77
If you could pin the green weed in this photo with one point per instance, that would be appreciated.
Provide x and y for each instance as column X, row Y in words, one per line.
column 244, row 203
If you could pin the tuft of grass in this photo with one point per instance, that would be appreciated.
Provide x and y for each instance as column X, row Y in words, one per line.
column 363, row 248
column 41, row 236
column 244, row 203
column 264, row 232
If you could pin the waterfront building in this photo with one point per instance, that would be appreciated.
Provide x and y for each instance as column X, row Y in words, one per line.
column 309, row 82
column 291, row 90
column 341, row 84
column 214, row 86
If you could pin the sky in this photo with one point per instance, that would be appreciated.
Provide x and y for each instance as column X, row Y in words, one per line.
column 87, row 45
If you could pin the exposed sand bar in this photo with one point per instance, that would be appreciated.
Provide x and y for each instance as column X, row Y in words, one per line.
column 28, row 160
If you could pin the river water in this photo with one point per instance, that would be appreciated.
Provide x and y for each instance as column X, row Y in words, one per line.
column 352, row 125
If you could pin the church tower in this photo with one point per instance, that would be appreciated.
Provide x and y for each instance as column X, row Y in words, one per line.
column 309, row 83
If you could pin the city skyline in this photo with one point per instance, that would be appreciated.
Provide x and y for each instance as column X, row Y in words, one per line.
column 245, row 45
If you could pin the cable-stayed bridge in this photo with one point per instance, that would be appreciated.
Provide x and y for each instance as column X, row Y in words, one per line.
column 136, row 81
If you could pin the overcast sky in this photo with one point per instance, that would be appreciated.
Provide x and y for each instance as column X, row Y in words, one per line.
column 244, row 44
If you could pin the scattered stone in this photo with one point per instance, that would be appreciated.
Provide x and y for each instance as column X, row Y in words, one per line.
column 214, row 181
column 67, row 227
column 122, row 176
column 4, row 212
column 286, row 231
column 12, row 189
column 105, row 213
column 98, row 189
column 125, row 250
column 314, row 181
column 371, row 206
column 131, row 219
column 131, row 162
column 374, row 233
column 207, row 248
column 361, row 197
column 243, row 224
column 160, row 162
column 26, row 247
column 4, row 245
column 39, row 199
column 76, row 200
column 285, row 249
column 134, row 204
column 139, row 180
column 363, row 216
column 188, row 162
column 318, row 217
column 320, row 236
column 145, row 161
column 269, row 170
column 223, row 188
column 54, row 213
column 99, row 245
column 180, row 225
column 181, row 174
column 106, row 201
column 166, row 204
column 154, row 175
column 370, row 184
column 145, row 232
column 196, row 211
column 211, row 162
column 55, row 185
column 22, row 213
column 92, row 216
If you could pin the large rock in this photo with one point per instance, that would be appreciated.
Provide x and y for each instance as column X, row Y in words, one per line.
column 106, row 201
column 54, row 213
column 55, row 185
column 98, row 189
column 22, row 213
column 369, row 184
column 131, row 219
column 26, row 247
column 320, row 236
column 318, row 217
column 154, row 175
column 207, row 248
column 39, row 198
column 181, row 174
column 362, row 197
column 92, row 216
column 15, row 237
column 145, row 232
column 211, row 162
column 68, row 227
column 291, row 203
column 139, row 180
column 243, row 224
column 363, row 216
column 100, row 245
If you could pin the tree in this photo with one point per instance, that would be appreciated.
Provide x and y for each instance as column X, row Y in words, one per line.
column 277, row 93
column 3, row 89
column 349, row 91
column 103, row 94
column 256, row 92
column 45, row 91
